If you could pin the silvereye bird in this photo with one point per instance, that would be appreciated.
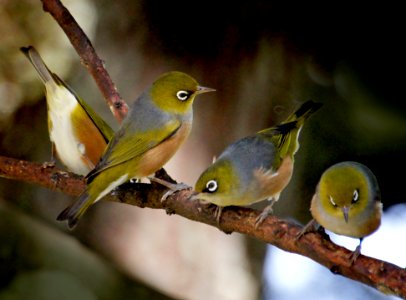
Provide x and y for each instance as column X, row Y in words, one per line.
column 347, row 202
column 78, row 135
column 157, row 123
column 255, row 168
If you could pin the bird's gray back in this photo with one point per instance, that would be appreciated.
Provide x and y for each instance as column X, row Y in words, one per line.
column 249, row 154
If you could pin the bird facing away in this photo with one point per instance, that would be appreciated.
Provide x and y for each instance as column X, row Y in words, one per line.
column 255, row 168
column 347, row 202
column 156, row 125
column 78, row 134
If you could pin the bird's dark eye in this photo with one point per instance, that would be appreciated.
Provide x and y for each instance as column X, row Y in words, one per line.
column 211, row 186
column 355, row 196
column 332, row 201
column 182, row 95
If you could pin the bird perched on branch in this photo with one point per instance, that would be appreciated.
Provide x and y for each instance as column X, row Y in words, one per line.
column 78, row 134
column 157, row 123
column 347, row 202
column 255, row 168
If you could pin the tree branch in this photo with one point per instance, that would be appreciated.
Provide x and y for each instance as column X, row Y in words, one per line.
column 48, row 177
column 88, row 56
column 387, row 278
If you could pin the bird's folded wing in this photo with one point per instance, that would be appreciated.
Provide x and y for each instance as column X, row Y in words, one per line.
column 126, row 146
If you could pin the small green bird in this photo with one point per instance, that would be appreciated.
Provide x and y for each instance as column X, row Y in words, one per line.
column 255, row 168
column 347, row 202
column 156, row 125
column 78, row 135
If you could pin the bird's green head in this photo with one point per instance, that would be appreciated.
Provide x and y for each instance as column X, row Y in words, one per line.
column 217, row 183
column 347, row 190
column 174, row 92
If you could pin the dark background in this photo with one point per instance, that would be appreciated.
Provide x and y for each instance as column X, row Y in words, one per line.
column 264, row 58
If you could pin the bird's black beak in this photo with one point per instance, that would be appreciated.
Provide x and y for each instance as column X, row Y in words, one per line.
column 345, row 210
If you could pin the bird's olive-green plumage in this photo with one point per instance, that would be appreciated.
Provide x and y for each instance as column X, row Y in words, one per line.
column 156, row 125
column 162, row 92
column 223, row 174
column 79, row 136
column 347, row 202
column 257, row 167
column 286, row 135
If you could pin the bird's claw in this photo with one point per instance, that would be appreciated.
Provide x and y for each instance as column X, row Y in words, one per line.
column 261, row 218
column 174, row 188
column 264, row 214
column 309, row 227
column 49, row 164
column 217, row 213
column 354, row 255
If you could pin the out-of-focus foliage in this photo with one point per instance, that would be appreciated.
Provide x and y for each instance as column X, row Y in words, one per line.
column 24, row 23
column 38, row 262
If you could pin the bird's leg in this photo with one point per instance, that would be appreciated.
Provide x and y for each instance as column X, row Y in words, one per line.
column 310, row 227
column 217, row 213
column 265, row 213
column 173, row 187
column 218, row 210
column 52, row 162
column 353, row 257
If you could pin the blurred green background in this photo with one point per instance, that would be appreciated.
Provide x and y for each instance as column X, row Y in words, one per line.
column 264, row 58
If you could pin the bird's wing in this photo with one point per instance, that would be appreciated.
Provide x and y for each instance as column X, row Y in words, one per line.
column 126, row 145
column 281, row 136
column 272, row 182
column 105, row 129
column 47, row 75
column 285, row 135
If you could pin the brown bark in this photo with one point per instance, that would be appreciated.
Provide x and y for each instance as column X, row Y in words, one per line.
column 384, row 276
column 42, row 175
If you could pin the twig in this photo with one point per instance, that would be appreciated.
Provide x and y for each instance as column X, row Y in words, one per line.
column 386, row 277
column 88, row 56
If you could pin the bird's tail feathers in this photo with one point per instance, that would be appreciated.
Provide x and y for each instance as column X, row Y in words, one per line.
column 33, row 56
column 74, row 211
column 285, row 135
column 304, row 111
column 281, row 129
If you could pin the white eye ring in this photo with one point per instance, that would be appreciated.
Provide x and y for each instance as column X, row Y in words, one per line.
column 355, row 196
column 332, row 201
column 211, row 186
column 182, row 95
